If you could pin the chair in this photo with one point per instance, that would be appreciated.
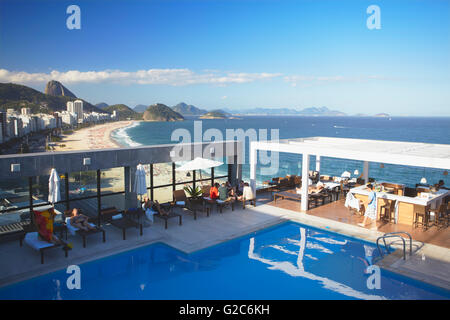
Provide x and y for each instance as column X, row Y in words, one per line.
column 442, row 215
column 421, row 216
column 244, row 201
column 122, row 219
column 343, row 190
column 83, row 233
column 387, row 211
column 182, row 201
column 221, row 204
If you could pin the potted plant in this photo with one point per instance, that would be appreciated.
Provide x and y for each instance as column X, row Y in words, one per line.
column 194, row 193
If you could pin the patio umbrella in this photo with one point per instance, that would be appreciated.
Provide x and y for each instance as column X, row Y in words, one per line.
column 199, row 164
column 346, row 174
column 140, row 184
column 54, row 194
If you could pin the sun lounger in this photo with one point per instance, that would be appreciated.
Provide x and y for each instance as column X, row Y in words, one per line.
column 121, row 220
column 293, row 196
column 14, row 230
column 32, row 240
column 83, row 233
column 171, row 214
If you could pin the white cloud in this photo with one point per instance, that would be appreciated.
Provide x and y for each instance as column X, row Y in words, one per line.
column 174, row 77
column 294, row 80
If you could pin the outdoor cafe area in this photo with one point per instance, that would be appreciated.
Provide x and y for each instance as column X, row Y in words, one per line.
column 419, row 209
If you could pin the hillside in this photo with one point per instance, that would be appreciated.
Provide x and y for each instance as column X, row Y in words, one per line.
column 140, row 108
column 188, row 109
column 124, row 112
column 313, row 111
column 17, row 96
column 102, row 105
column 55, row 88
column 161, row 112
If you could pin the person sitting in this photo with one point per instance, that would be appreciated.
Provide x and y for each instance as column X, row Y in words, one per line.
column 247, row 193
column 441, row 185
column 160, row 210
column 149, row 208
column 214, row 191
column 240, row 188
column 80, row 221
column 225, row 193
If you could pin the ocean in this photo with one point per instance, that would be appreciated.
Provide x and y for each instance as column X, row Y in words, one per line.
column 429, row 130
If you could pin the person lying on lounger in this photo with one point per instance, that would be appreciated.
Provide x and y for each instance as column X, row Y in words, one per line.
column 161, row 210
column 311, row 189
column 80, row 221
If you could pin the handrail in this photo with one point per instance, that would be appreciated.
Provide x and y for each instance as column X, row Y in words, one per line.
column 403, row 232
column 391, row 236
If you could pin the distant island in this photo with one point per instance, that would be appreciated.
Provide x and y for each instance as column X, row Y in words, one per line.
column 312, row 111
column 214, row 115
column 161, row 112
column 188, row 109
column 382, row 115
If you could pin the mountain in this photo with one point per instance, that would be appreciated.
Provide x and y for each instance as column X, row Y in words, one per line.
column 55, row 88
column 124, row 112
column 140, row 108
column 323, row 111
column 382, row 115
column 161, row 112
column 313, row 111
column 188, row 109
column 16, row 96
column 216, row 114
column 102, row 105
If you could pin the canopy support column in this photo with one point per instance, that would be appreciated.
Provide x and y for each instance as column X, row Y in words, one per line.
column 305, row 182
column 366, row 171
column 253, row 159
column 318, row 164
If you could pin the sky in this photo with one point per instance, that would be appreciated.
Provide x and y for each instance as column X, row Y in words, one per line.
column 236, row 54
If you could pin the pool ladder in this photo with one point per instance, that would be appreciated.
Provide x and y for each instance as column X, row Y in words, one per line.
column 395, row 235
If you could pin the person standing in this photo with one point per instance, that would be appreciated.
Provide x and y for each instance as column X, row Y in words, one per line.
column 371, row 211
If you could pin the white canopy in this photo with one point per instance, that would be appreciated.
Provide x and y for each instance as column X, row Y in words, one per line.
column 199, row 164
column 140, row 184
column 54, row 194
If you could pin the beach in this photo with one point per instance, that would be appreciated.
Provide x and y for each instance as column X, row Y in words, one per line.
column 99, row 137
column 96, row 137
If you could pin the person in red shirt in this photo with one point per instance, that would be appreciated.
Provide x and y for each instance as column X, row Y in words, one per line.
column 214, row 191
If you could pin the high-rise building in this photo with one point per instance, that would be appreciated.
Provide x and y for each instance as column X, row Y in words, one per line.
column 70, row 106
column 25, row 111
column 3, row 119
column 76, row 107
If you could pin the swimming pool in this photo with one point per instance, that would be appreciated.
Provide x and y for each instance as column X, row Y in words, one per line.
column 289, row 261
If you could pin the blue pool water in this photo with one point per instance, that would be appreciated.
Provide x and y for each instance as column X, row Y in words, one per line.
column 289, row 261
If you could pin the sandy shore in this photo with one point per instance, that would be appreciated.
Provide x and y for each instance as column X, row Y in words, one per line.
column 97, row 137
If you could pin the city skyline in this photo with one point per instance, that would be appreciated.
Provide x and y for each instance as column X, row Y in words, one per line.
column 236, row 54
